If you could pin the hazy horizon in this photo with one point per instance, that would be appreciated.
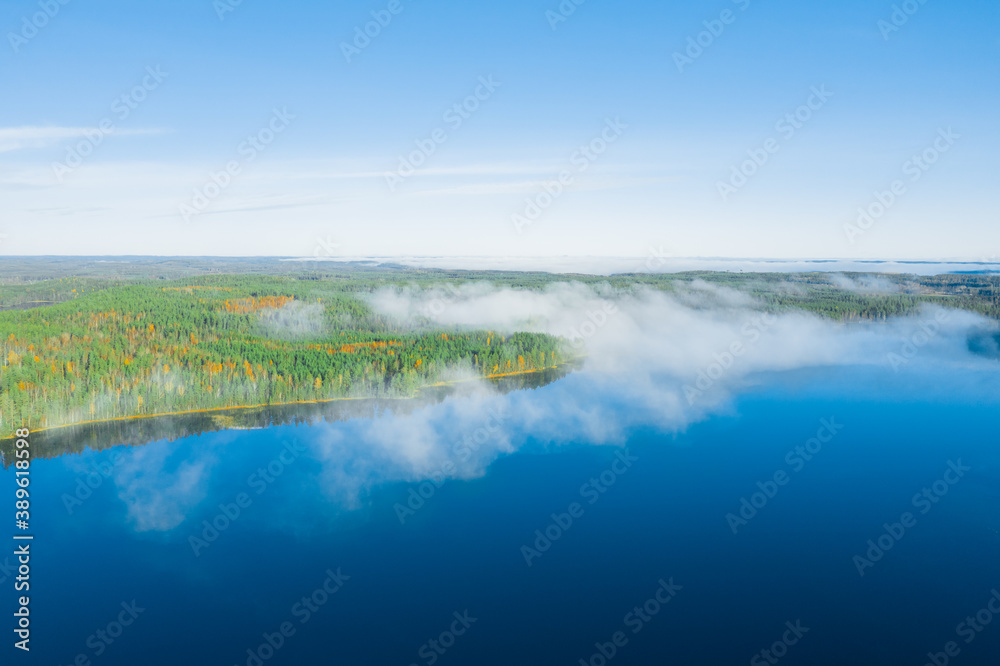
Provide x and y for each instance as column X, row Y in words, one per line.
column 651, row 263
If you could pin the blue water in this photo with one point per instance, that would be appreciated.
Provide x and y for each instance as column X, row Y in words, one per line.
column 663, row 519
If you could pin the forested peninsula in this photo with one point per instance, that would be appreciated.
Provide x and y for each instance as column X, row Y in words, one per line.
column 226, row 341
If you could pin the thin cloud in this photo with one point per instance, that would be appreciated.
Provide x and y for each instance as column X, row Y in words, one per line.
column 31, row 136
column 535, row 186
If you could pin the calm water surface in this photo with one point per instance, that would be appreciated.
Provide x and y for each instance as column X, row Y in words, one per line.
column 465, row 566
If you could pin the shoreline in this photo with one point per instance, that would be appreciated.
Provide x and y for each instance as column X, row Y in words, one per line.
column 293, row 402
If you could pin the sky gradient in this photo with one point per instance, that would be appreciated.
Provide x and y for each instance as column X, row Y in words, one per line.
column 194, row 127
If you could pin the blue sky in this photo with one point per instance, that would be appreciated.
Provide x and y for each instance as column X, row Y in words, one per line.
column 344, row 125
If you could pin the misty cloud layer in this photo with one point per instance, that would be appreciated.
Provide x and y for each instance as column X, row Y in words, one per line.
column 294, row 320
column 653, row 360
column 864, row 284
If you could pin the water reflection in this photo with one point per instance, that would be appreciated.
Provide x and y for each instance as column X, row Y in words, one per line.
column 137, row 432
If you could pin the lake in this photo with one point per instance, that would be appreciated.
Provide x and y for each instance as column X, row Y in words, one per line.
column 811, row 517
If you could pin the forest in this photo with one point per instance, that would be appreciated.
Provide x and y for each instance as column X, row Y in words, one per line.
column 226, row 341
column 85, row 340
